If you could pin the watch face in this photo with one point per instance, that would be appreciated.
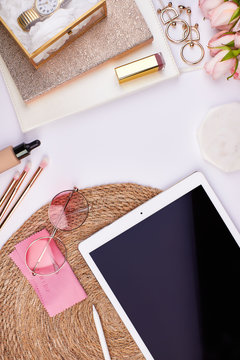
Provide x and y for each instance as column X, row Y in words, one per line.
column 46, row 7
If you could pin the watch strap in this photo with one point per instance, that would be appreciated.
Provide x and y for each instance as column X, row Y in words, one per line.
column 28, row 18
column 64, row 2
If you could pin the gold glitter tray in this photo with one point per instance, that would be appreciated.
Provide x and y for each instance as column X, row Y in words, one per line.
column 95, row 15
column 124, row 29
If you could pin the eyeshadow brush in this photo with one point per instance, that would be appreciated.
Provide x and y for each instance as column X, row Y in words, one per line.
column 15, row 190
column 26, row 190
column 10, row 188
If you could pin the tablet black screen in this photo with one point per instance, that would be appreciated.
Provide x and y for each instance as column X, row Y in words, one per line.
column 177, row 276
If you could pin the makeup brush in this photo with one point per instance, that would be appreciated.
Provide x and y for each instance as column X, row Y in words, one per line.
column 10, row 188
column 26, row 190
column 15, row 190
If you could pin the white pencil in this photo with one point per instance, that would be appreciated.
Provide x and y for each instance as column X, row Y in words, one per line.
column 101, row 334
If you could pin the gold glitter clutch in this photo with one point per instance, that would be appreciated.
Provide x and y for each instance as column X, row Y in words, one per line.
column 85, row 22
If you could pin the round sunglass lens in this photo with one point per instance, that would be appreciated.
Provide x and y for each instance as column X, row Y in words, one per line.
column 68, row 210
column 46, row 256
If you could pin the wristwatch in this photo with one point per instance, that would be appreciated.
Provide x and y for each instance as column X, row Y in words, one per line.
column 41, row 10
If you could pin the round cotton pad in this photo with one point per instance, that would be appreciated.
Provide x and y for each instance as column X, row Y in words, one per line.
column 219, row 137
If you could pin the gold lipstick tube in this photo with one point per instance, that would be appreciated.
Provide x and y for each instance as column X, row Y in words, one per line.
column 142, row 67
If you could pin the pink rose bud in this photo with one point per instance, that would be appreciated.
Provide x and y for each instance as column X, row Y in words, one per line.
column 221, row 15
column 217, row 68
column 207, row 5
column 220, row 39
column 237, row 40
column 237, row 73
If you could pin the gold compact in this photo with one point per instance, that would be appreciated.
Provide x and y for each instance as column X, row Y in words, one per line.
column 141, row 67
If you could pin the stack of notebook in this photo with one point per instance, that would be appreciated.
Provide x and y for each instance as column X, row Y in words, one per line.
column 129, row 26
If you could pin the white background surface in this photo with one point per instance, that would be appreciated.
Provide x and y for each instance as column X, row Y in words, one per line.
column 148, row 138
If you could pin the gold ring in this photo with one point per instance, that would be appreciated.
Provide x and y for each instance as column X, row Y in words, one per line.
column 192, row 43
column 185, row 33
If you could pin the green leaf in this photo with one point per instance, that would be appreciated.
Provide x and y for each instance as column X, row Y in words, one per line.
column 236, row 52
column 228, row 56
column 235, row 15
column 231, row 44
column 235, row 70
column 231, row 54
column 224, row 47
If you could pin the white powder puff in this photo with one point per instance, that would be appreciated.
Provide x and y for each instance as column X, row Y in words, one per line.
column 219, row 137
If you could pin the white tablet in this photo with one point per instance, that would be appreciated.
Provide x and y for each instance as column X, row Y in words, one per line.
column 171, row 269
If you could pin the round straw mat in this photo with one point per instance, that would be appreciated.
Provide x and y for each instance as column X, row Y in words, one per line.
column 27, row 331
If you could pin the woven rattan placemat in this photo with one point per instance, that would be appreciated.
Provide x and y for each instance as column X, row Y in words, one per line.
column 27, row 332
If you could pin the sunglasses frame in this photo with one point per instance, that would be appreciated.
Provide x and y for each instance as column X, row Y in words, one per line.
column 52, row 236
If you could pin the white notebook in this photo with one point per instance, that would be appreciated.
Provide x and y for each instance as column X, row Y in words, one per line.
column 101, row 83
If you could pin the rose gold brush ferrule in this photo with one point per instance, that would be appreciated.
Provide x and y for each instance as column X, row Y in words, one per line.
column 25, row 191
column 7, row 192
column 30, row 184
column 13, row 194
column 9, row 189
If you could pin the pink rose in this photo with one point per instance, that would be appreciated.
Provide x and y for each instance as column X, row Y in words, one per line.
column 237, row 73
column 237, row 26
column 237, row 40
column 217, row 68
column 221, row 15
column 220, row 39
column 207, row 5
